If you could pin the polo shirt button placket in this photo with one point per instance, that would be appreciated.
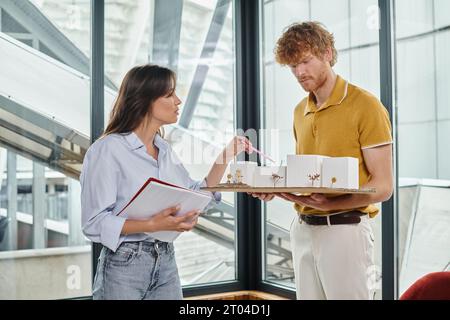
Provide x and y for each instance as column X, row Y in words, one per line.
column 314, row 126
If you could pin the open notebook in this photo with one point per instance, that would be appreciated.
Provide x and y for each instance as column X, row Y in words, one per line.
column 156, row 195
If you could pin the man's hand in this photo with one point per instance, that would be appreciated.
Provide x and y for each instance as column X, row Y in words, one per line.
column 262, row 196
column 316, row 200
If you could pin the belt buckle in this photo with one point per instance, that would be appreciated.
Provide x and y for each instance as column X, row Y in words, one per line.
column 312, row 219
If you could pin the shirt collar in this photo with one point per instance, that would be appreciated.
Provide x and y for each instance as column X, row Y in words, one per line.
column 135, row 143
column 162, row 144
column 337, row 96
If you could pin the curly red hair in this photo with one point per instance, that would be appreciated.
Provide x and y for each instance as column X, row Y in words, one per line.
column 303, row 38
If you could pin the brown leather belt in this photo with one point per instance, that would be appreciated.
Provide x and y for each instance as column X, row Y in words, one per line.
column 350, row 217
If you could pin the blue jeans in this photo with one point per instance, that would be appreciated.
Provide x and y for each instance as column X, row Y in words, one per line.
column 143, row 270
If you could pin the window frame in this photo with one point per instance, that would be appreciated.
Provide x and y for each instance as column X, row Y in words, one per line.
column 249, row 221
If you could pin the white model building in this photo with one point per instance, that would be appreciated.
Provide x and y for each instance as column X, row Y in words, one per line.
column 340, row 173
column 270, row 176
column 301, row 171
column 242, row 172
column 304, row 170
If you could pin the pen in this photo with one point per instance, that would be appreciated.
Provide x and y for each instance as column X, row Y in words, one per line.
column 263, row 154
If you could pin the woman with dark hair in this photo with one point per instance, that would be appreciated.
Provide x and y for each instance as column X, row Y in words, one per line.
column 132, row 265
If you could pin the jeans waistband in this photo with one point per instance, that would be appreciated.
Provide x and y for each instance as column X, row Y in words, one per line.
column 148, row 245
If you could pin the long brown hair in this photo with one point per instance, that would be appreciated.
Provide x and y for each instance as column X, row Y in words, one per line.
column 140, row 87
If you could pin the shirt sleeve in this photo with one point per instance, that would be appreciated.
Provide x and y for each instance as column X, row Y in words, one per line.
column 374, row 126
column 98, row 198
column 216, row 197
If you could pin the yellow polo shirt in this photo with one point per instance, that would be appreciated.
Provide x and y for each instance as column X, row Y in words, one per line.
column 351, row 120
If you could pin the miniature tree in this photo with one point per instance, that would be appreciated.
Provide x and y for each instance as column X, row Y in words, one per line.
column 275, row 179
column 238, row 176
column 333, row 181
column 313, row 177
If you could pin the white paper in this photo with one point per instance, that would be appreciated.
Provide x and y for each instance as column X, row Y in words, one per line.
column 156, row 197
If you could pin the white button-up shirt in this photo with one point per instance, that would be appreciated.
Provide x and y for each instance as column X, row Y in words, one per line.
column 114, row 169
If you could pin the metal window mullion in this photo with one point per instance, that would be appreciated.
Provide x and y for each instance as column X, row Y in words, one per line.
column 97, row 88
column 435, row 86
column 12, row 199
column 389, row 222
column 249, row 222
column 39, row 206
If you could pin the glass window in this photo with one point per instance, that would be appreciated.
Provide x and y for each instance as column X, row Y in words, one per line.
column 414, row 18
column 355, row 26
column 423, row 104
column 441, row 7
column 195, row 39
column 44, row 133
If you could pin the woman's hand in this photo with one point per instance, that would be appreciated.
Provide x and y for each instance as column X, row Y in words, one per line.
column 236, row 146
column 167, row 220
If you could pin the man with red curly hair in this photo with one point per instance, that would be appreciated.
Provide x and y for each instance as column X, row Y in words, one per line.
column 331, row 239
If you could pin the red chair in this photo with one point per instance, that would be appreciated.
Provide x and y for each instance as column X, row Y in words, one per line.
column 433, row 286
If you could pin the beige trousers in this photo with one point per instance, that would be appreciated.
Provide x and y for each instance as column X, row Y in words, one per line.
column 332, row 262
